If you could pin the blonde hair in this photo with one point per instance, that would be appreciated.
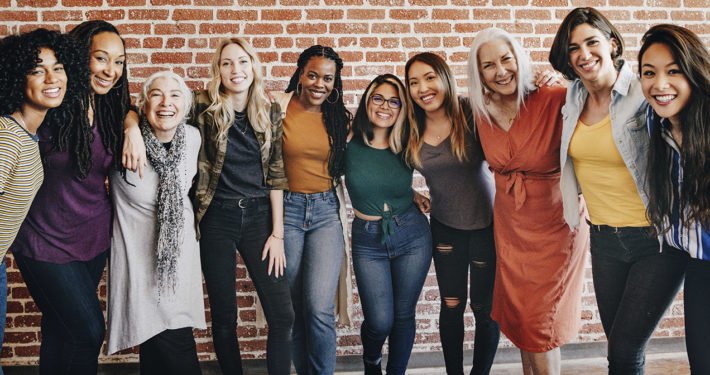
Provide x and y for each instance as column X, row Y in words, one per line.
column 221, row 109
column 362, row 123
column 417, row 117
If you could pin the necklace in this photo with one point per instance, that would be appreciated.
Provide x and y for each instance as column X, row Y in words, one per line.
column 241, row 118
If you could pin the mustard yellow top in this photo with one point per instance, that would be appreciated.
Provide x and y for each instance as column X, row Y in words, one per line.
column 305, row 150
column 607, row 186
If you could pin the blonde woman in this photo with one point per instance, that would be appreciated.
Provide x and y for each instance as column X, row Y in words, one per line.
column 239, row 202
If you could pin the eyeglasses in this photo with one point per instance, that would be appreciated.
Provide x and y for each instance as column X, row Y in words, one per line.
column 380, row 100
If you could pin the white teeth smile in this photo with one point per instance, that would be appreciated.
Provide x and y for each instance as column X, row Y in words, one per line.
column 103, row 82
column 588, row 65
column 505, row 81
column 52, row 93
column 384, row 116
column 238, row 80
column 165, row 114
column 317, row 94
column 664, row 98
column 427, row 98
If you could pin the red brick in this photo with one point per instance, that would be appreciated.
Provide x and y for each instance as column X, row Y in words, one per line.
column 696, row 3
column 214, row 2
column 256, row 3
column 432, row 28
column 350, row 56
column 625, row 3
column 125, row 3
column 153, row 42
column 281, row 42
column 517, row 28
column 192, row 14
column 369, row 42
column 34, row 320
column 148, row 14
column 428, row 2
column 175, row 43
column 170, row 2
column 366, row 14
column 532, row 14
column 686, row 15
column 280, row 15
column 450, row 14
column 237, row 15
column 387, row 3
column 21, row 337
column 82, row 3
column 665, row 3
column 168, row 28
column 343, row 2
column 35, row 3
column 549, row 3
column 389, row 43
column 261, row 42
column 307, row 28
column 219, row 28
column 509, row 2
column 650, row 15
column 431, row 42
column 62, row 15
column 589, row 3
column 270, row 28
column 396, row 57
column 171, row 57
column 27, row 351
column 469, row 3
column 411, row 42
column 408, row 14
column 107, row 15
column 452, row 42
column 347, row 42
column 24, row 16
column 348, row 28
column 324, row 14
column 371, row 70
column 133, row 28
column 391, row 28
column 302, row 3
column 491, row 14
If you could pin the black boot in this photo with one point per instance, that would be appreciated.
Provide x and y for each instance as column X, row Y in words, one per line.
column 371, row 369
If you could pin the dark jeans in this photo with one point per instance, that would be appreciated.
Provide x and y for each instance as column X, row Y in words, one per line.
column 634, row 283
column 455, row 253
column 72, row 321
column 390, row 278
column 697, row 311
column 172, row 351
column 225, row 228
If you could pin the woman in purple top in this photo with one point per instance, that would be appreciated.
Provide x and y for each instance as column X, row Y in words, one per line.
column 62, row 245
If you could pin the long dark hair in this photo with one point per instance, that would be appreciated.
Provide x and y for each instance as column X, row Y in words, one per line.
column 694, row 61
column 362, row 126
column 335, row 116
column 72, row 130
column 18, row 57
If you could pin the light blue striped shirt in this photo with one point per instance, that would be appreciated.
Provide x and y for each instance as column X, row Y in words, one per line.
column 693, row 239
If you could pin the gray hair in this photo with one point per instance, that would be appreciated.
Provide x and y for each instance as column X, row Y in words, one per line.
column 186, row 92
column 477, row 89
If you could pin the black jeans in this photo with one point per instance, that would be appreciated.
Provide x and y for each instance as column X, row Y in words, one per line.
column 225, row 228
column 455, row 253
column 634, row 283
column 697, row 311
column 172, row 351
column 72, row 322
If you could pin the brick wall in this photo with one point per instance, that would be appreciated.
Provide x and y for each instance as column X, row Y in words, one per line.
column 373, row 37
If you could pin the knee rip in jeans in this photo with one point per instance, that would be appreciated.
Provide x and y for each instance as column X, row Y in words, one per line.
column 444, row 248
column 452, row 302
column 479, row 264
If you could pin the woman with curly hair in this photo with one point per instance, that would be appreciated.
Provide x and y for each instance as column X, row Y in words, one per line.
column 675, row 79
column 37, row 69
column 61, row 247
column 315, row 129
column 239, row 202
column 604, row 155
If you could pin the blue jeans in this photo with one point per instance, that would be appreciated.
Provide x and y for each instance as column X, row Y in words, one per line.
column 390, row 278
column 697, row 310
column 634, row 283
column 72, row 321
column 3, row 301
column 314, row 252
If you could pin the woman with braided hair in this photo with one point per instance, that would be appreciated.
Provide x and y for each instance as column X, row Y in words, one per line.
column 315, row 131
column 61, row 247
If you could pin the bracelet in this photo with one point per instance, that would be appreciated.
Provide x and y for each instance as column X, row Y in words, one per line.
column 277, row 237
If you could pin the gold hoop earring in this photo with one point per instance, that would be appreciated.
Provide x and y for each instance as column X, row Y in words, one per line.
column 299, row 88
column 336, row 97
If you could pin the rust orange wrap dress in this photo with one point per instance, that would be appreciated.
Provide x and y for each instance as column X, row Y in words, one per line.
column 540, row 261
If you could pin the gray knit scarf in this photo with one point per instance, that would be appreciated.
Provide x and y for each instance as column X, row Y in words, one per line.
column 170, row 220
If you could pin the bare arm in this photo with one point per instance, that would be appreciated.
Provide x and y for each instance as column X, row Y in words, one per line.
column 134, row 155
column 274, row 247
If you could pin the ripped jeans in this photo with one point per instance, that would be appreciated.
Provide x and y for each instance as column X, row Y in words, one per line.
column 455, row 253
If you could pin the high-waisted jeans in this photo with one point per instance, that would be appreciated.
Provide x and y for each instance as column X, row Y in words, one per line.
column 634, row 283
column 390, row 277
column 462, row 257
column 243, row 225
column 314, row 252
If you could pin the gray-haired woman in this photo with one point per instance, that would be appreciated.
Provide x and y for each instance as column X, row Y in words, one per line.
column 155, row 294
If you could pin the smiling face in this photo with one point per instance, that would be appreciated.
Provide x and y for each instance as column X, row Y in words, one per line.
column 426, row 87
column 663, row 83
column 590, row 53
column 106, row 61
column 498, row 67
column 46, row 84
column 317, row 81
column 164, row 107
column 380, row 110
column 235, row 69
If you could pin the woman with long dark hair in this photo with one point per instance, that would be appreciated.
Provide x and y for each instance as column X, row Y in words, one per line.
column 38, row 69
column 604, row 155
column 61, row 247
column 675, row 78
column 315, row 130
column 391, row 237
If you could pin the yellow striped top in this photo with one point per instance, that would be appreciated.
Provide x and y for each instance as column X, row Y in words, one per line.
column 21, row 175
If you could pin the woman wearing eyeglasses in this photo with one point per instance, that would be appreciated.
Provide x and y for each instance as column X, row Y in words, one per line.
column 391, row 240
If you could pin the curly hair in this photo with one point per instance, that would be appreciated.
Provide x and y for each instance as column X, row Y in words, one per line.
column 72, row 130
column 19, row 56
column 335, row 116
column 694, row 61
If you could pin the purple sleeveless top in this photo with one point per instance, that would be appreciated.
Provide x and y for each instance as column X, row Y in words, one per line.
column 70, row 218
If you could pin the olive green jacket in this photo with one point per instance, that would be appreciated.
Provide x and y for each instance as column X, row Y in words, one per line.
column 214, row 149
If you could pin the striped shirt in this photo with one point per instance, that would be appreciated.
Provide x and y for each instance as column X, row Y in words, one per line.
column 693, row 239
column 21, row 175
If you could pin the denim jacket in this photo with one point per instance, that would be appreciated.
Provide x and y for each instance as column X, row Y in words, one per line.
column 628, row 128
column 214, row 149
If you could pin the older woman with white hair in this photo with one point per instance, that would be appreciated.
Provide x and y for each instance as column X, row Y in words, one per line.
column 155, row 294
column 540, row 261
